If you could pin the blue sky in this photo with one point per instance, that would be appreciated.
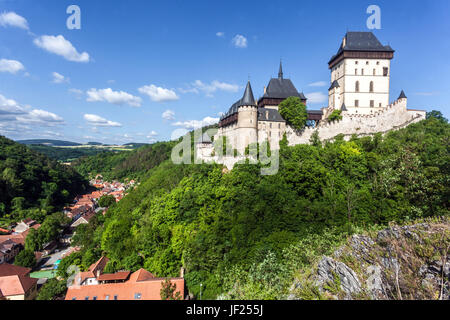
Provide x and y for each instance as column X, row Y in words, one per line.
column 138, row 70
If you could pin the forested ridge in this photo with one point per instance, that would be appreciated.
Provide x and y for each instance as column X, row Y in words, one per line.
column 32, row 185
column 130, row 164
column 243, row 235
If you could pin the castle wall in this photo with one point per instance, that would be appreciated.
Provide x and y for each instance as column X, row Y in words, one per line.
column 393, row 117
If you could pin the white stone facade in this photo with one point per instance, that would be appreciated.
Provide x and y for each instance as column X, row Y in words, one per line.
column 361, row 84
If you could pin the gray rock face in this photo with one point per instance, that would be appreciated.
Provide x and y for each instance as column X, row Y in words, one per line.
column 374, row 282
column 329, row 268
column 361, row 246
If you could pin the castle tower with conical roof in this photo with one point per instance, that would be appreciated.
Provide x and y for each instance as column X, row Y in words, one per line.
column 247, row 125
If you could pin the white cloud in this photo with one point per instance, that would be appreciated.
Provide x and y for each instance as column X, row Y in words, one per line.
column 40, row 116
column 96, row 120
column 318, row 84
column 209, row 89
column 10, row 107
column 12, row 19
column 168, row 115
column 77, row 92
column 220, row 34
column 316, row 97
column 239, row 41
column 158, row 94
column 62, row 47
column 17, row 116
column 11, row 66
column 152, row 134
column 196, row 124
column 114, row 97
column 59, row 78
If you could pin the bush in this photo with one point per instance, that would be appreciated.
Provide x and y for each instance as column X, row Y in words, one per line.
column 335, row 115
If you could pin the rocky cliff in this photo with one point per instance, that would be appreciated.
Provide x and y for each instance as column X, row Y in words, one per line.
column 408, row 262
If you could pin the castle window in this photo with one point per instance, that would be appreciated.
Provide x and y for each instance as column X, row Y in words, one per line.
column 357, row 86
column 356, row 62
column 372, row 103
column 367, row 62
column 379, row 104
column 362, row 71
column 270, row 126
column 371, row 86
column 374, row 72
column 378, row 63
column 385, row 71
column 356, row 72
column 279, row 126
column 356, row 103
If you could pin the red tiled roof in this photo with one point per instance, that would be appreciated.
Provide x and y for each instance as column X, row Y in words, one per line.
column 129, row 290
column 99, row 265
column 5, row 231
column 121, row 275
column 15, row 280
column 17, row 238
column 141, row 275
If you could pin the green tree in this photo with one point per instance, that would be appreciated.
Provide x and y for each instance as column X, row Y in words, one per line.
column 168, row 289
column 106, row 201
column 33, row 241
column 436, row 114
column 294, row 112
column 52, row 290
column 25, row 258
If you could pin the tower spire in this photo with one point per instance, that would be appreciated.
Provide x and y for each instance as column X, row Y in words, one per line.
column 248, row 98
column 280, row 72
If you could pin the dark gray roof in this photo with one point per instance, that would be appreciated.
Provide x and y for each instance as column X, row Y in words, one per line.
column 335, row 84
column 281, row 89
column 402, row 95
column 343, row 107
column 361, row 41
column 314, row 111
column 267, row 114
column 246, row 100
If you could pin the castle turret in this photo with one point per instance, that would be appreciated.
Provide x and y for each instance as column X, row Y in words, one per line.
column 247, row 119
column 402, row 95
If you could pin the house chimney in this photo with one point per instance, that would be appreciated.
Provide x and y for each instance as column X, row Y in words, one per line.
column 265, row 90
column 182, row 270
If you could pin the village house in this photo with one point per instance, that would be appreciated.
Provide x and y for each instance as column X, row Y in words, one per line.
column 8, row 250
column 16, row 284
column 25, row 225
column 123, row 285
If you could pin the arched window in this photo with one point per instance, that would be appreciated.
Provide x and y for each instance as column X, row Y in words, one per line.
column 371, row 86
column 357, row 86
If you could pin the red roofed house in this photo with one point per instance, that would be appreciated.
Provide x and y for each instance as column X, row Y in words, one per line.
column 122, row 285
column 16, row 284
column 84, row 219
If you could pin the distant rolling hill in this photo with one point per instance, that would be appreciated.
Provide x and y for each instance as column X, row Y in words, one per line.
column 50, row 143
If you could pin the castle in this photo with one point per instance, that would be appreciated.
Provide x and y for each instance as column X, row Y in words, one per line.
column 360, row 76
